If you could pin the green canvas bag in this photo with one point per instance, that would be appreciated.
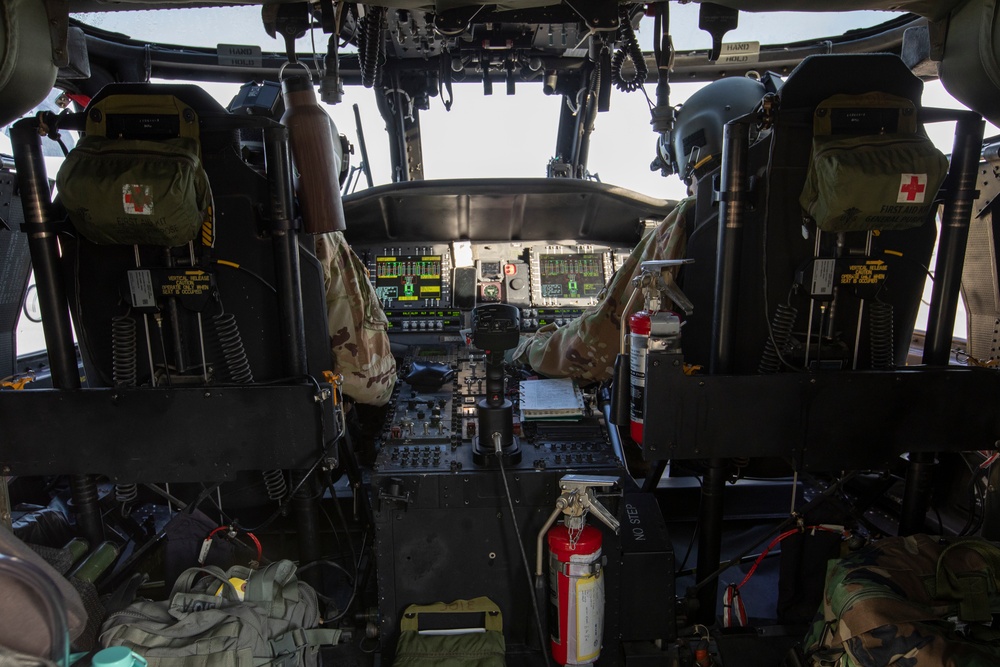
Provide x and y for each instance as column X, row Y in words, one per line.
column 131, row 190
column 472, row 649
column 863, row 181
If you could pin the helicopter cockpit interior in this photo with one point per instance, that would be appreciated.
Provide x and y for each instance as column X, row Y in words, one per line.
column 297, row 401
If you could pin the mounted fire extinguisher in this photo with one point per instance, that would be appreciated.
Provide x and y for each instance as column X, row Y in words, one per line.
column 639, row 326
column 652, row 330
column 576, row 578
column 577, row 592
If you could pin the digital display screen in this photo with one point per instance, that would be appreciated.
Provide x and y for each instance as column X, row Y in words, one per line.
column 408, row 277
column 571, row 276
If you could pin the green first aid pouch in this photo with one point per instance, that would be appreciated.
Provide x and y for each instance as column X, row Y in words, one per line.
column 481, row 646
column 136, row 190
column 863, row 182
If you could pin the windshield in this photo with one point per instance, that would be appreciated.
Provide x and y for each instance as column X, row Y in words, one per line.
column 498, row 135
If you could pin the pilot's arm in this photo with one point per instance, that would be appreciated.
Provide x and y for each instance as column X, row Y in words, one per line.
column 585, row 349
column 359, row 336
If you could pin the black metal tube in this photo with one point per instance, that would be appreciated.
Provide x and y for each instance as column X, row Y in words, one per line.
column 86, row 505
column 566, row 132
column 277, row 160
column 956, row 216
column 286, row 251
column 710, row 515
column 306, row 509
column 917, row 492
column 36, row 202
column 652, row 481
column 734, row 188
column 735, row 147
column 43, row 245
column 365, row 164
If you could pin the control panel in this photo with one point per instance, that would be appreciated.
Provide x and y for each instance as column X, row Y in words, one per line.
column 430, row 429
column 432, row 288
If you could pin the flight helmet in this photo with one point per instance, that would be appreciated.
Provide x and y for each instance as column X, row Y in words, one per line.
column 695, row 144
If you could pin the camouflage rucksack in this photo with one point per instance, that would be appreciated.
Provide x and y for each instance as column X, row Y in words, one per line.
column 916, row 601
column 270, row 619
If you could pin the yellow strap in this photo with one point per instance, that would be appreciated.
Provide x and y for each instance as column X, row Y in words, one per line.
column 410, row 621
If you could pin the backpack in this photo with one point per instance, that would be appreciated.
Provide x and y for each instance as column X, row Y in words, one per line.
column 916, row 601
column 236, row 618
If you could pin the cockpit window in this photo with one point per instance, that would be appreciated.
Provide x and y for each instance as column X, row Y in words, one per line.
column 202, row 27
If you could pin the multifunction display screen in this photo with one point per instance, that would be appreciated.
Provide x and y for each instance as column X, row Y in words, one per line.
column 408, row 277
column 571, row 276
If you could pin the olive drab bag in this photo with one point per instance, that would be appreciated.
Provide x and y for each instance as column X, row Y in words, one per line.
column 917, row 601
column 136, row 190
column 207, row 622
column 866, row 181
column 484, row 648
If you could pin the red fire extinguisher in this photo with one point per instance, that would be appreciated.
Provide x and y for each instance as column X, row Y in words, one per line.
column 576, row 589
column 640, row 325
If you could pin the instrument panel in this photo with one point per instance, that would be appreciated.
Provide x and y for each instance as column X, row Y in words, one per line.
column 432, row 288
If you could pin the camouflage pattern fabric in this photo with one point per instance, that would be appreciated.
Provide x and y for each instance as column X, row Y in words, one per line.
column 585, row 349
column 895, row 603
column 358, row 328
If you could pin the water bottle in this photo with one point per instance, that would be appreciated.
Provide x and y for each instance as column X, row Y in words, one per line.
column 314, row 145
column 117, row 656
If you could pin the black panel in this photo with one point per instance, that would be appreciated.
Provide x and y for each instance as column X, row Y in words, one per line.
column 163, row 435
column 498, row 209
column 819, row 421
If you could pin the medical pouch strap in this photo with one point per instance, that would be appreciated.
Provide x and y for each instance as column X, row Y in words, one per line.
column 410, row 621
column 149, row 116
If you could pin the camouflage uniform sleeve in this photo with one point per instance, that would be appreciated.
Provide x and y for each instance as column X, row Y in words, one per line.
column 359, row 337
column 585, row 349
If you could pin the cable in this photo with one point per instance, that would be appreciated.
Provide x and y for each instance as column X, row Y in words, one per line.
column 630, row 50
column 240, row 267
column 370, row 54
column 824, row 495
column 328, row 600
column 524, row 561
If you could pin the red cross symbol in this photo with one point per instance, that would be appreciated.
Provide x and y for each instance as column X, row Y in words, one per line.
column 136, row 199
column 911, row 189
